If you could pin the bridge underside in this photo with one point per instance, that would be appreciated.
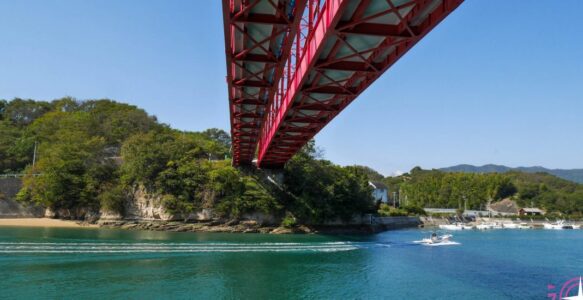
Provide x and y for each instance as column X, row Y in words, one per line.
column 339, row 47
column 257, row 42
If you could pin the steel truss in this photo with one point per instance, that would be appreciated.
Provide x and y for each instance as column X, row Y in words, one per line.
column 334, row 52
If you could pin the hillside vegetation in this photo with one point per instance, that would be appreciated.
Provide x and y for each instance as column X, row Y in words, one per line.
column 92, row 154
column 575, row 175
column 434, row 188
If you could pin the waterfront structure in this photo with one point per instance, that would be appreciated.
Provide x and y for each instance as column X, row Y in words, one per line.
column 453, row 211
column 380, row 191
column 531, row 211
column 294, row 65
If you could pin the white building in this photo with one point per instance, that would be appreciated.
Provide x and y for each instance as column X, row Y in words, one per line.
column 380, row 191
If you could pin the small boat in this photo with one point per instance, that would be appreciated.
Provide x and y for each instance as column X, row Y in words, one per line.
column 552, row 226
column 523, row 225
column 558, row 225
column 497, row 225
column 484, row 226
column 454, row 226
column 510, row 225
column 435, row 240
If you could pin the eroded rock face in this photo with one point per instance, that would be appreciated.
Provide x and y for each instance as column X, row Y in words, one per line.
column 49, row 213
column 71, row 214
column 261, row 218
column 145, row 206
column 109, row 216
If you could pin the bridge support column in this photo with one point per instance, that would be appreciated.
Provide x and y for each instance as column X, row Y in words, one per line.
column 275, row 176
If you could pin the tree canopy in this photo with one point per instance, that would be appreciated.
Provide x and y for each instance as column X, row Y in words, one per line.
column 93, row 154
column 433, row 188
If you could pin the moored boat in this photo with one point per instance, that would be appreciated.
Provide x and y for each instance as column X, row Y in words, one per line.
column 510, row 225
column 454, row 226
column 484, row 226
column 558, row 225
column 489, row 225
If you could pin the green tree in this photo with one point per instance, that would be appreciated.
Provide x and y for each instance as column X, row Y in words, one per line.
column 324, row 191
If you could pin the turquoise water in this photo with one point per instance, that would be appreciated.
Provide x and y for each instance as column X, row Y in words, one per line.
column 117, row 264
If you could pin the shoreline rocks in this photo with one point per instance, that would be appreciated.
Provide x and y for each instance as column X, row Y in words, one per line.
column 235, row 227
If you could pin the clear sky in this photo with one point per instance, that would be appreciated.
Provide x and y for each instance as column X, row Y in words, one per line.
column 499, row 81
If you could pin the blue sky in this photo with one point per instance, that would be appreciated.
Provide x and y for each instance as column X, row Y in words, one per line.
column 499, row 81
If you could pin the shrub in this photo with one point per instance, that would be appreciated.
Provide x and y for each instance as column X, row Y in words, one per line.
column 288, row 222
column 415, row 210
column 389, row 211
column 113, row 198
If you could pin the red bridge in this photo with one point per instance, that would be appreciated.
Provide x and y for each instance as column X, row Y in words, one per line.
column 293, row 65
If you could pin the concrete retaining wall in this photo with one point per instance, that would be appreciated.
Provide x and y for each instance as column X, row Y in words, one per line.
column 9, row 208
column 396, row 222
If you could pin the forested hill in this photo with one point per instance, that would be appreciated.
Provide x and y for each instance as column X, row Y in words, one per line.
column 92, row 156
column 435, row 188
column 575, row 175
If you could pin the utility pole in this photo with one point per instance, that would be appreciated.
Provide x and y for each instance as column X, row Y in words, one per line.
column 394, row 199
column 34, row 155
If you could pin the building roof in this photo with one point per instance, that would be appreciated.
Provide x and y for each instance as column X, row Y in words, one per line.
column 504, row 206
column 440, row 210
column 378, row 185
column 532, row 210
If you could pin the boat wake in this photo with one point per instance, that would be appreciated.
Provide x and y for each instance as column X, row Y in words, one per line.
column 96, row 248
column 450, row 243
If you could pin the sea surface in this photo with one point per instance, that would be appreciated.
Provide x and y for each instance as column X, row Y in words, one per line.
column 117, row 264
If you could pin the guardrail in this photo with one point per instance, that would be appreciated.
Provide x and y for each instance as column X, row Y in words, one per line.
column 17, row 175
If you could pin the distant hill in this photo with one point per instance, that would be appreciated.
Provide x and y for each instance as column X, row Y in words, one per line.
column 575, row 175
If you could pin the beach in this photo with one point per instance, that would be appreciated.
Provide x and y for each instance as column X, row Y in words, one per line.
column 43, row 222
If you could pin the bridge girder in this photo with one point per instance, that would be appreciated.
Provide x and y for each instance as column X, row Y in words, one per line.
column 292, row 69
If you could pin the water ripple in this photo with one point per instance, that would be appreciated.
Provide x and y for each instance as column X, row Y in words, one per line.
column 58, row 248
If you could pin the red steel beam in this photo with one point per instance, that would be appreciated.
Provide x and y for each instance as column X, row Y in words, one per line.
column 330, row 16
column 255, row 62
column 422, row 17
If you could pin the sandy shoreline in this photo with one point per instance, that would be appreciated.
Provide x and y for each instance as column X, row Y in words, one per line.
column 44, row 222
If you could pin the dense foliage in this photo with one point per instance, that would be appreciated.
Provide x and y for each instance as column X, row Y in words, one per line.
column 433, row 188
column 177, row 166
column 575, row 175
column 95, row 155
column 324, row 191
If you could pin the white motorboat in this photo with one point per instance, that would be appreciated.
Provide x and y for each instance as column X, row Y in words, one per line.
column 523, row 226
column 558, row 225
column 454, row 226
column 435, row 240
column 510, row 225
column 484, row 226
column 489, row 225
